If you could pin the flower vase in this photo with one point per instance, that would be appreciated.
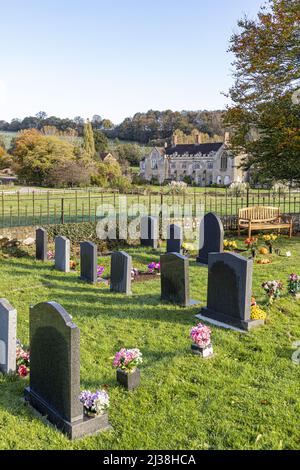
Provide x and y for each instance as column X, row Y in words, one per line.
column 253, row 251
column 270, row 249
column 205, row 352
column 89, row 414
column 129, row 380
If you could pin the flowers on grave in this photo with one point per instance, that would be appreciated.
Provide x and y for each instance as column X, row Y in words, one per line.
column 253, row 302
column 288, row 254
column 154, row 268
column 50, row 255
column 251, row 242
column 100, row 271
column 73, row 265
column 294, row 284
column 22, row 360
column 273, row 289
column 269, row 240
column 188, row 248
column 134, row 273
column 264, row 261
column 201, row 335
column 94, row 403
column 263, row 251
column 230, row 245
column 257, row 313
column 128, row 360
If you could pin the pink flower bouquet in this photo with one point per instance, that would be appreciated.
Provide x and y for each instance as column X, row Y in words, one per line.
column 200, row 335
column 128, row 360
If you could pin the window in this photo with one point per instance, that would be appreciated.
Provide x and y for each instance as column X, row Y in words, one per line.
column 210, row 165
column 154, row 165
column 197, row 166
column 224, row 162
column 184, row 166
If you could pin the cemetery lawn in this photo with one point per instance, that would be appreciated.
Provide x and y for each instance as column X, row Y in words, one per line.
column 245, row 397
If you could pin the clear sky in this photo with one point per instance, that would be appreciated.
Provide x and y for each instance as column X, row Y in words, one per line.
column 115, row 58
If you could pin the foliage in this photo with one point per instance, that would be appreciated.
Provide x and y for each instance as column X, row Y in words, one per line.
column 71, row 173
column 264, row 116
column 101, row 142
column 35, row 155
column 273, row 289
column 178, row 187
column 88, row 140
column 131, row 153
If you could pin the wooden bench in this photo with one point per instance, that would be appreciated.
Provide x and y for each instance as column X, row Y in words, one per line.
column 263, row 218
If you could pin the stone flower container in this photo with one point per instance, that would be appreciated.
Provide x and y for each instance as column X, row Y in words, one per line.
column 129, row 380
column 126, row 362
column 202, row 345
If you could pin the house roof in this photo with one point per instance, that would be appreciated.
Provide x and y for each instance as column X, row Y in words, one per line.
column 193, row 149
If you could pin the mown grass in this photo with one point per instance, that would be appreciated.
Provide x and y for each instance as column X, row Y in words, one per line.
column 246, row 397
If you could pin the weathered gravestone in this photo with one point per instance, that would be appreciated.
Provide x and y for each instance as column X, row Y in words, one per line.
column 62, row 254
column 174, row 239
column 41, row 242
column 229, row 290
column 120, row 273
column 211, row 237
column 149, row 231
column 88, row 262
column 174, row 272
column 8, row 340
column 55, row 371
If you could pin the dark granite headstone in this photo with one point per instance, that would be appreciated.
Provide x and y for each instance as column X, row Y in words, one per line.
column 88, row 262
column 211, row 237
column 55, row 371
column 149, row 231
column 41, row 244
column 62, row 254
column 229, row 290
column 120, row 273
column 8, row 341
column 174, row 239
column 174, row 269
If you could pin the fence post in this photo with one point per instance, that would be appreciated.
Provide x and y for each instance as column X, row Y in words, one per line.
column 62, row 217
column 247, row 200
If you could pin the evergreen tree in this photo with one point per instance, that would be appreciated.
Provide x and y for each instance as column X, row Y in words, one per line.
column 88, row 140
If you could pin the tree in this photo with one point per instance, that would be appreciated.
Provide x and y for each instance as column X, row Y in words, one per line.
column 264, row 117
column 68, row 173
column 101, row 142
column 107, row 124
column 34, row 155
column 131, row 153
column 88, row 138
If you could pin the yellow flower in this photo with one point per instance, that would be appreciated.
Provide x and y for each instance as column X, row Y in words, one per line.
column 257, row 313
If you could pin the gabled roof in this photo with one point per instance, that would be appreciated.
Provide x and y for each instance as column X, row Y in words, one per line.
column 193, row 149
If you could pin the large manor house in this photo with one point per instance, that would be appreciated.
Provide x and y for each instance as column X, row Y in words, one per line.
column 200, row 163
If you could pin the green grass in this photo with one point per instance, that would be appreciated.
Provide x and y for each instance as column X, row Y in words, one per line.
column 246, row 397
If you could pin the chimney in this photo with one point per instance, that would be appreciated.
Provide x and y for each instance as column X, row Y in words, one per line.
column 227, row 138
column 198, row 139
column 174, row 140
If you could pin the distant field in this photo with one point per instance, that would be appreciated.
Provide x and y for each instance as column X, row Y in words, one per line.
column 8, row 136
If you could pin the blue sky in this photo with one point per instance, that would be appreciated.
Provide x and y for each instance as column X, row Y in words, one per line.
column 76, row 57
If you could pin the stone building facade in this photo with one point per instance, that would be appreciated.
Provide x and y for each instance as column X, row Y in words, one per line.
column 199, row 163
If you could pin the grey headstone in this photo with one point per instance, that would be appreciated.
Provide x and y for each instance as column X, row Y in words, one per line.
column 229, row 290
column 120, row 273
column 8, row 340
column 55, row 370
column 211, row 237
column 41, row 237
column 174, row 269
column 62, row 254
column 149, row 231
column 174, row 239
column 88, row 262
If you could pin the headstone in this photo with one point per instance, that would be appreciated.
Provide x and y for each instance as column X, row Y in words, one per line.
column 174, row 239
column 62, row 254
column 88, row 262
column 55, row 371
column 41, row 244
column 174, row 272
column 120, row 273
column 229, row 290
column 211, row 237
column 8, row 340
column 149, row 231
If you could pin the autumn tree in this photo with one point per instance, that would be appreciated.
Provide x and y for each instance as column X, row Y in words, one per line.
column 265, row 112
column 88, row 140
column 34, row 155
